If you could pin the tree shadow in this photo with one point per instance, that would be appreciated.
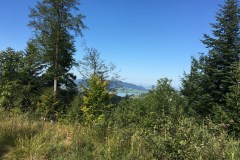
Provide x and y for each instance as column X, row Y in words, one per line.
column 6, row 140
column 9, row 137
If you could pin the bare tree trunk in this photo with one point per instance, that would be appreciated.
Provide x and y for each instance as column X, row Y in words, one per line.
column 55, row 85
column 238, row 84
column 56, row 68
column 55, row 81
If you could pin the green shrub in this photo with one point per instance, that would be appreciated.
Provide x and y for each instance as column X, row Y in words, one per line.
column 48, row 105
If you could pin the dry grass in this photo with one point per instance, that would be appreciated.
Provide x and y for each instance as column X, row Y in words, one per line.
column 24, row 139
column 21, row 138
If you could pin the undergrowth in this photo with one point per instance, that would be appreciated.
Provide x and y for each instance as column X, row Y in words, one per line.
column 22, row 138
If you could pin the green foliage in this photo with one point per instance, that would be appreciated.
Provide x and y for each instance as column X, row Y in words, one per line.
column 211, row 86
column 164, row 99
column 233, row 103
column 48, row 105
column 96, row 100
column 223, row 52
column 152, row 110
column 92, row 64
column 10, row 66
column 193, row 84
column 20, row 78
column 153, row 126
column 54, row 106
column 98, row 97
column 74, row 113
column 55, row 27
column 177, row 139
column 30, row 77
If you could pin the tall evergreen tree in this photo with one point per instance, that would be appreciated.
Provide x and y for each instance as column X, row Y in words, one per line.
column 233, row 101
column 193, row 90
column 55, row 23
column 30, row 76
column 224, row 49
column 208, row 91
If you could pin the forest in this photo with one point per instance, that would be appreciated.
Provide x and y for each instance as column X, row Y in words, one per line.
column 45, row 114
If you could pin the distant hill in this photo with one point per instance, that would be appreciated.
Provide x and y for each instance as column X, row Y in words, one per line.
column 118, row 84
column 125, row 85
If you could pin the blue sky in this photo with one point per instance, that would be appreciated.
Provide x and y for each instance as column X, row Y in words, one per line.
column 146, row 39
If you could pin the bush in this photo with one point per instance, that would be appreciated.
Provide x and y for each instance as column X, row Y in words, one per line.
column 152, row 110
column 49, row 105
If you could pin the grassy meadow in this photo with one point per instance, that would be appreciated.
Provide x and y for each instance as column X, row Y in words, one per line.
column 23, row 138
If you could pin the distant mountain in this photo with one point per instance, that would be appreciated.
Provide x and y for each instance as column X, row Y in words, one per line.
column 125, row 85
column 118, row 84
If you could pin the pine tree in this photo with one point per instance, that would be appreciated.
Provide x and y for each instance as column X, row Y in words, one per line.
column 55, row 23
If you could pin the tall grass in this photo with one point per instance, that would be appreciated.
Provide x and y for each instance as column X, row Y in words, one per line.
column 24, row 139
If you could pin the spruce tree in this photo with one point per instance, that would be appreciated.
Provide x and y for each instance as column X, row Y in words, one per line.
column 56, row 24
column 211, row 88
column 193, row 88
column 31, row 77
column 233, row 102
column 96, row 100
column 224, row 49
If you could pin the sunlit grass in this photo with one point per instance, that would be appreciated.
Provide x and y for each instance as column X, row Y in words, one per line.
column 25, row 139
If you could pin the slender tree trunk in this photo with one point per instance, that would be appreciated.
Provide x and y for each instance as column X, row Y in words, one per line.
column 238, row 84
column 57, row 52
column 55, row 85
column 56, row 68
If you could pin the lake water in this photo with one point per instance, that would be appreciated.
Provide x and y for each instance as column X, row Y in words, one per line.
column 123, row 94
